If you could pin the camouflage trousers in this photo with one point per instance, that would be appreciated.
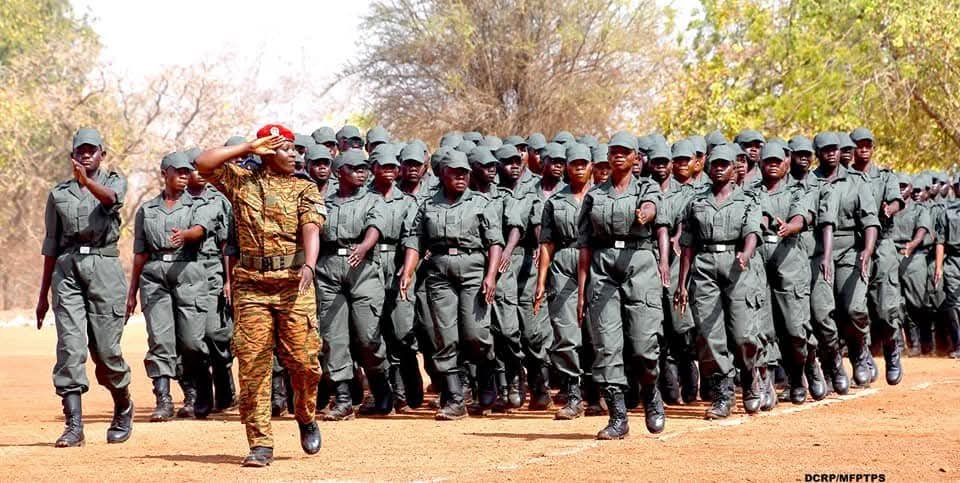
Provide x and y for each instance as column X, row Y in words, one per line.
column 262, row 309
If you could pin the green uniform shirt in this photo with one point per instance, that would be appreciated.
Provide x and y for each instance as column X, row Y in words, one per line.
column 223, row 234
column 908, row 221
column 559, row 221
column 706, row 221
column 155, row 222
column 607, row 216
column 885, row 187
column 349, row 217
column 471, row 222
column 74, row 217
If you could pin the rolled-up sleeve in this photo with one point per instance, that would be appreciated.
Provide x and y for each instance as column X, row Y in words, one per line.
column 311, row 208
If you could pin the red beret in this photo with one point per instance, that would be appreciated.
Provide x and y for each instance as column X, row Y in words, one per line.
column 275, row 130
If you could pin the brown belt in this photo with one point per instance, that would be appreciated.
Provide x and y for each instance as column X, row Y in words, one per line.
column 269, row 264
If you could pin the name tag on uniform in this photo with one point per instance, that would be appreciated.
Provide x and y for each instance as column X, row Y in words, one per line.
column 168, row 257
column 84, row 250
column 342, row 251
column 619, row 244
column 453, row 251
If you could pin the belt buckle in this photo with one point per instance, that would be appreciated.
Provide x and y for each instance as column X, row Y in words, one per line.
column 453, row 251
column 619, row 244
column 342, row 251
column 84, row 250
column 167, row 257
column 384, row 247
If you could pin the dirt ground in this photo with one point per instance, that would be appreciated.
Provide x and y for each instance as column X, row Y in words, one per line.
column 910, row 432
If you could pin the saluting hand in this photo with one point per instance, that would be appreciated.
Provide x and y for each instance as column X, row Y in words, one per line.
column 266, row 145
column 177, row 237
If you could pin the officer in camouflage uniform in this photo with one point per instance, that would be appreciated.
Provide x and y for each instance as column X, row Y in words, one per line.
column 173, row 286
column 278, row 219
column 82, row 223
column 910, row 233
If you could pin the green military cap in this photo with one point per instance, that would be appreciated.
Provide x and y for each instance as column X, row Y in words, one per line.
column 715, row 138
column 905, row 178
column 451, row 139
column 348, row 132
column 644, row 143
column 482, row 156
column 659, row 151
column 439, row 157
column 192, row 154
column 623, row 139
column 87, row 135
column 504, row 153
column 737, row 149
column 465, row 146
column 589, row 140
column 564, row 137
column 599, row 153
column 378, row 134
column 317, row 152
column 515, row 140
column 749, row 136
column 778, row 140
column 350, row 157
column 175, row 160
column 699, row 144
column 657, row 138
column 457, row 159
column 861, row 134
column 413, row 152
column 536, row 141
column 800, row 144
column 825, row 139
column 555, row 150
column 474, row 137
column 844, row 140
column 577, row 151
column 302, row 140
column 921, row 181
column 324, row 135
column 384, row 155
column 491, row 142
column 772, row 150
column 723, row 152
column 683, row 149
column 235, row 140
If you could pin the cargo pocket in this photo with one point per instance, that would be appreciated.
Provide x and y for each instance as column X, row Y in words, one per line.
column 654, row 298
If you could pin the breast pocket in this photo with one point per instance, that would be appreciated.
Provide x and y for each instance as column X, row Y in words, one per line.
column 953, row 228
column 67, row 211
column 622, row 213
column 600, row 217
column 152, row 229
column 565, row 219
column 432, row 225
column 703, row 222
column 350, row 222
column 462, row 223
column 282, row 216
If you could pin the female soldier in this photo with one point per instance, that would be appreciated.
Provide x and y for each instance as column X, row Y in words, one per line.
column 912, row 228
column 600, row 169
column 350, row 288
column 556, row 279
column 615, row 239
column 173, row 286
column 458, row 227
column 720, row 231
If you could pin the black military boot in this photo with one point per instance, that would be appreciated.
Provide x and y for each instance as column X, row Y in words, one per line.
column 381, row 403
column 669, row 381
column 705, row 389
column 342, row 408
column 815, row 383
column 502, row 404
column 454, row 408
column 838, row 374
column 891, row 358
column 953, row 329
column 400, row 404
column 859, row 356
column 122, row 423
column 572, row 409
column 73, row 422
column 164, row 409
column 514, row 395
column 653, row 412
column 278, row 395
column 204, row 384
column 768, row 387
column 750, row 381
column 486, row 387
column 689, row 377
column 186, row 410
column 412, row 380
column 324, row 392
column 223, row 388
column 796, row 390
column 258, row 457
column 913, row 338
column 617, row 424
column 540, row 392
column 721, row 389
column 309, row 437
column 591, row 394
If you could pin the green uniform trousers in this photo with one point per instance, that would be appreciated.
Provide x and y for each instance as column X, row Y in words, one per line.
column 724, row 300
column 88, row 307
column 461, row 316
column 884, row 299
column 350, row 300
column 536, row 333
column 788, row 278
column 174, row 296
column 397, row 315
column 625, row 299
column 505, row 323
column 561, row 303
column 219, row 327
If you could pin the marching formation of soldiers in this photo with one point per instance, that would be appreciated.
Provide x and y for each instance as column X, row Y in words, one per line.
column 632, row 273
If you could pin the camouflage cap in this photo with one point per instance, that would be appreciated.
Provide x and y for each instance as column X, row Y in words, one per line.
column 599, row 153
column 577, row 151
column 324, row 135
column 317, row 152
column 536, row 141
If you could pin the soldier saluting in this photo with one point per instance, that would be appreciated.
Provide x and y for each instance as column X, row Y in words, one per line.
column 278, row 219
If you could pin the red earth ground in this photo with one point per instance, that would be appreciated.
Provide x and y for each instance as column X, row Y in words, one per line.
column 909, row 432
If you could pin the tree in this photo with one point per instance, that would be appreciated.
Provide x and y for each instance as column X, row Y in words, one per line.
column 510, row 66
